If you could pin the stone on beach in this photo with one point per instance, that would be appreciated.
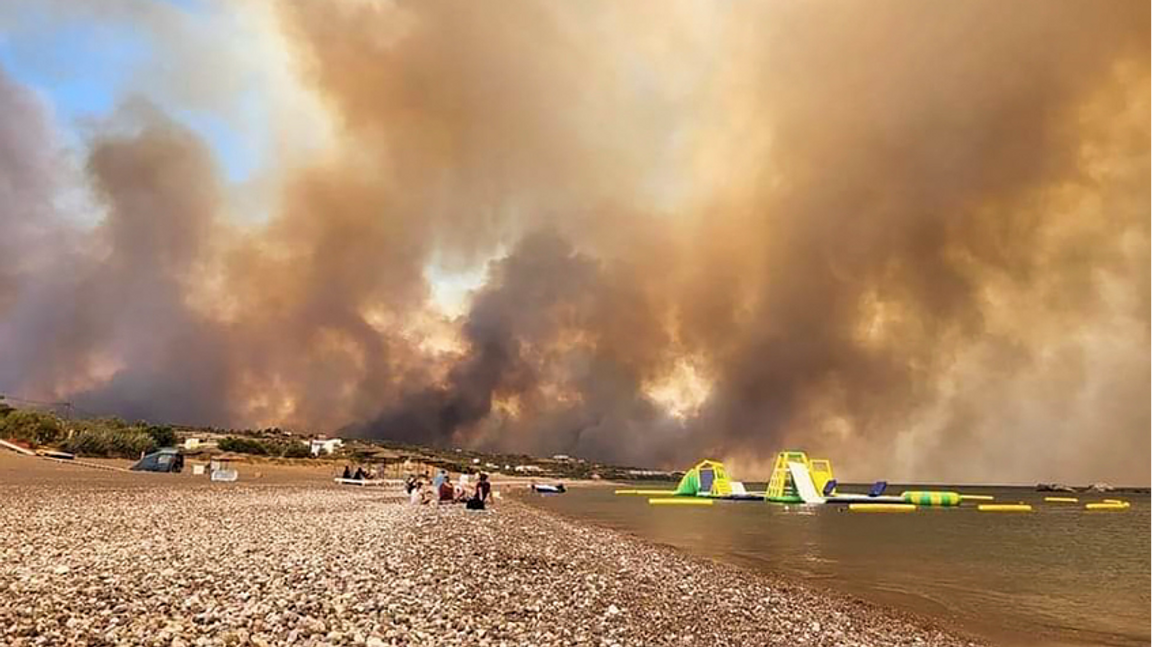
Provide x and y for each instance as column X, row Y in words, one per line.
column 164, row 561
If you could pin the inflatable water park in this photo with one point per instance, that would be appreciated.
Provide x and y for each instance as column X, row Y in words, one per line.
column 799, row 480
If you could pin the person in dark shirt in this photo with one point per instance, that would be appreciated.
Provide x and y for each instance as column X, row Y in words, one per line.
column 347, row 472
column 483, row 492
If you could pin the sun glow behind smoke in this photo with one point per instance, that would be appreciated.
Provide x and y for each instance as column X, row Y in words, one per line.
column 682, row 391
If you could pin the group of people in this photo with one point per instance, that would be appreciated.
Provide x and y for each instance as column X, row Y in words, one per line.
column 422, row 491
column 359, row 475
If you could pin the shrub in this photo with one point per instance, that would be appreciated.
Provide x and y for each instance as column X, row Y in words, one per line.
column 98, row 440
column 296, row 450
column 32, row 427
column 162, row 435
column 244, row 446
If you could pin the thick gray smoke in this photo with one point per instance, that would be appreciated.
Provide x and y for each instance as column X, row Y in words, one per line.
column 550, row 364
column 911, row 237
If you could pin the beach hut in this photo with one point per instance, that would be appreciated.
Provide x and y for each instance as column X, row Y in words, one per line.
column 706, row 478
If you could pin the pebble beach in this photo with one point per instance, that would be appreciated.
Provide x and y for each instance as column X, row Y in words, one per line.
column 91, row 557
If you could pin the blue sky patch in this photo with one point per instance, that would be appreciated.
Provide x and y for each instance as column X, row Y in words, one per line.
column 84, row 68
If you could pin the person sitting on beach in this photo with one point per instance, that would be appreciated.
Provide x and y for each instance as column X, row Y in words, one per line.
column 420, row 495
column 360, row 475
column 447, row 492
column 483, row 492
column 347, row 472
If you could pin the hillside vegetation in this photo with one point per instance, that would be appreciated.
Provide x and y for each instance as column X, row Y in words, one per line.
column 116, row 438
column 105, row 437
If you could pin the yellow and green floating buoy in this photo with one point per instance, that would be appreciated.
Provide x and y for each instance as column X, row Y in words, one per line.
column 881, row 507
column 680, row 501
column 1061, row 499
column 946, row 499
column 1004, row 507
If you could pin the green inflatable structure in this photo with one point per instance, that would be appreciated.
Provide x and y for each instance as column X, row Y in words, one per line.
column 707, row 478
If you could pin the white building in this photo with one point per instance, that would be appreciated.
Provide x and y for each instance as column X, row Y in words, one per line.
column 191, row 443
column 561, row 457
column 528, row 468
column 325, row 445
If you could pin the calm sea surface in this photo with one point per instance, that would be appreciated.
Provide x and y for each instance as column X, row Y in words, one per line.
column 1057, row 576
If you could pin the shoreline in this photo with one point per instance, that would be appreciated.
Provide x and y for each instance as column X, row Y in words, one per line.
column 927, row 604
column 917, row 623
column 107, row 557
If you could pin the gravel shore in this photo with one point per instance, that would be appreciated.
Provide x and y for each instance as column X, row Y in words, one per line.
column 162, row 560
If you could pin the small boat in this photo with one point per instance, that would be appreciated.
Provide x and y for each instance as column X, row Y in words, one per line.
column 549, row 489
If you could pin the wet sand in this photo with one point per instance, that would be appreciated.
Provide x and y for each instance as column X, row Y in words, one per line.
column 106, row 557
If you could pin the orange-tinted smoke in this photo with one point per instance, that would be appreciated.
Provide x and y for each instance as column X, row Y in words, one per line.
column 910, row 237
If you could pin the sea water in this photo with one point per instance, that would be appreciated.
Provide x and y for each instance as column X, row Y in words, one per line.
column 1059, row 575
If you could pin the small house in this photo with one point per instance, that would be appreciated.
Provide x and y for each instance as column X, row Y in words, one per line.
column 325, row 445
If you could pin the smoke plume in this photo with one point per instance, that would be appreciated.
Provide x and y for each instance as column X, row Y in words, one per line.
column 911, row 237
